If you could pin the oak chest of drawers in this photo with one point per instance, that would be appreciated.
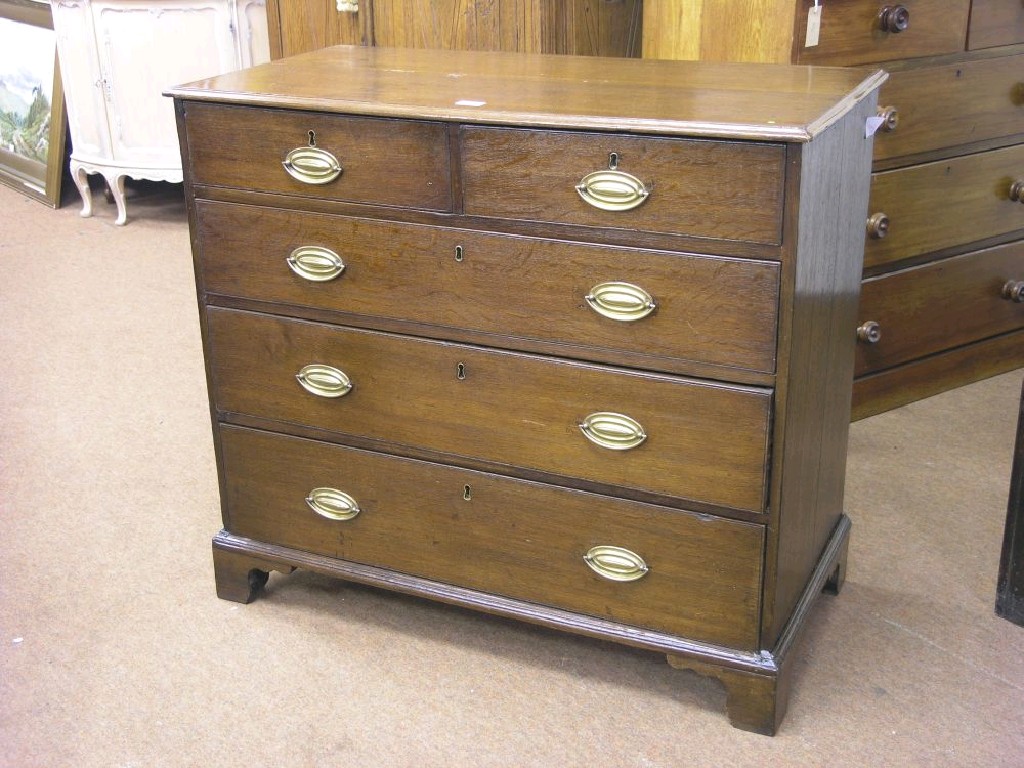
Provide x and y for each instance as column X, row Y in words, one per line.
column 559, row 339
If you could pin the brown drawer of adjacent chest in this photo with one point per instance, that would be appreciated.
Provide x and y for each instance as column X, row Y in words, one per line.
column 668, row 307
column 953, row 104
column 355, row 159
column 665, row 435
column 724, row 190
column 693, row 576
column 942, row 305
column 925, row 208
column 995, row 22
column 865, row 31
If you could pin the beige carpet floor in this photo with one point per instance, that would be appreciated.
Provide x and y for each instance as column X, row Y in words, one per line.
column 115, row 651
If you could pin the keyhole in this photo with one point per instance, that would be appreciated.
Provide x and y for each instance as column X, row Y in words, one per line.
column 613, row 160
column 312, row 138
column 458, row 253
column 460, row 371
column 467, row 493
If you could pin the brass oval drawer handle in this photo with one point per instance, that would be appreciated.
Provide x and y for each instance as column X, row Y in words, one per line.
column 624, row 302
column 894, row 18
column 890, row 118
column 324, row 380
column 332, row 504
column 1014, row 291
column 312, row 165
column 316, row 264
column 613, row 431
column 1017, row 191
column 616, row 563
column 878, row 226
column 612, row 190
column 870, row 332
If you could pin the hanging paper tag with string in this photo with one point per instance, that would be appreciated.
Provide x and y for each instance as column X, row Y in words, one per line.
column 813, row 25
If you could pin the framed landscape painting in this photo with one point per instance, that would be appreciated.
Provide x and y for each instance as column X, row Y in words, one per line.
column 33, row 123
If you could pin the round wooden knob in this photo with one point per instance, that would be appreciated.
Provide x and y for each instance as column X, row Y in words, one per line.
column 1017, row 191
column 890, row 118
column 870, row 332
column 894, row 18
column 878, row 225
column 1014, row 291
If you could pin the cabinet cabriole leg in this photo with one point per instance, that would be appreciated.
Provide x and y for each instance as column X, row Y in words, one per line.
column 81, row 179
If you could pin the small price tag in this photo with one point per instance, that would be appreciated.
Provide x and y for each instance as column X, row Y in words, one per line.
column 813, row 26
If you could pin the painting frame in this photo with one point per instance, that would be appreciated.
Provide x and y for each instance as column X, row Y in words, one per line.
column 32, row 177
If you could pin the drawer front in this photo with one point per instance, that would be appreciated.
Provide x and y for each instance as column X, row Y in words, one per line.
column 717, row 189
column 703, row 443
column 942, row 305
column 383, row 162
column 954, row 104
column 944, row 204
column 995, row 22
column 509, row 537
column 711, row 310
column 856, row 32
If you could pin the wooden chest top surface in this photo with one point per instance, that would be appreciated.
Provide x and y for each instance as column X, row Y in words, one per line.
column 746, row 101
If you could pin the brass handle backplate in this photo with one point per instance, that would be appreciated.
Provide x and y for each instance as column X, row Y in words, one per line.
column 316, row 264
column 616, row 563
column 878, row 226
column 312, row 165
column 894, row 18
column 324, row 380
column 624, row 302
column 613, row 431
column 612, row 190
column 870, row 332
column 1014, row 291
column 332, row 504
column 1017, row 191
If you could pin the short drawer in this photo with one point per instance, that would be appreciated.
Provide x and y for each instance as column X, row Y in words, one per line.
column 960, row 103
column 665, row 306
column 995, row 22
column 926, row 208
column 524, row 540
column 376, row 161
column 866, row 31
column 664, row 435
column 941, row 305
column 709, row 189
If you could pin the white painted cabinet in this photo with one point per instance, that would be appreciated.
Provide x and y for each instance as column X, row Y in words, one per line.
column 116, row 59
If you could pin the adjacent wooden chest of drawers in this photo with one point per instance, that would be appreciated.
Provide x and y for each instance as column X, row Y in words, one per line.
column 558, row 339
column 949, row 170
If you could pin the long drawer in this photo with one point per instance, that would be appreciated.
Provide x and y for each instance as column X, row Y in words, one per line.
column 709, row 189
column 941, row 305
column 599, row 300
column 665, row 435
column 944, row 204
column 696, row 576
column 944, row 106
column 856, row 32
column 317, row 155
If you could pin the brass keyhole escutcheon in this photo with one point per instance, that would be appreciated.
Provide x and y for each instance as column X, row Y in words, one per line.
column 312, row 138
column 459, row 253
column 460, row 371
column 467, row 493
column 613, row 161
